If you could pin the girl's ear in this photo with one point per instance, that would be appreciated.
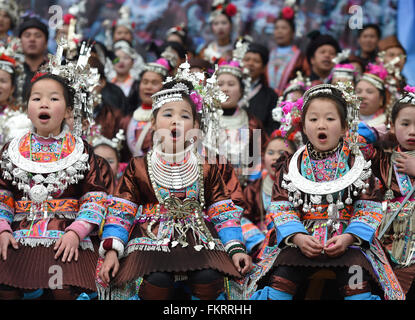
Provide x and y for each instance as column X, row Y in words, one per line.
column 68, row 113
column 392, row 129
column 153, row 123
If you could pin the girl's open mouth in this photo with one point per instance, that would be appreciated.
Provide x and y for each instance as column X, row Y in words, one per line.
column 322, row 136
column 175, row 134
column 44, row 116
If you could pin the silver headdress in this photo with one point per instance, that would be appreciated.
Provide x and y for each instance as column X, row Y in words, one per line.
column 168, row 95
column 376, row 75
column 391, row 82
column 408, row 95
column 341, row 69
column 161, row 66
column 125, row 17
column 96, row 139
column 12, row 9
column 125, row 47
column 236, row 68
column 13, row 50
column 176, row 93
column 81, row 78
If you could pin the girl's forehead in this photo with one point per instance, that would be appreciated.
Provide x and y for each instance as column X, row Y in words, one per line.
column 322, row 104
column 47, row 85
column 178, row 106
column 227, row 77
column 407, row 112
column 275, row 144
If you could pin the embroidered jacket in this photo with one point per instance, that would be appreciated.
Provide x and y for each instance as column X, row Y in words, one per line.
column 81, row 197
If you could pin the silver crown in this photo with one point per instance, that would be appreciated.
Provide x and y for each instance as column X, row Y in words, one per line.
column 81, row 78
column 115, row 143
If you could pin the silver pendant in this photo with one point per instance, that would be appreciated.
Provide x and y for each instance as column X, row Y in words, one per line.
column 38, row 193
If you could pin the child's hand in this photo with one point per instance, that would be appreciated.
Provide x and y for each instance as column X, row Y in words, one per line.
column 110, row 262
column 406, row 164
column 68, row 244
column 308, row 245
column 337, row 245
column 7, row 238
column 242, row 262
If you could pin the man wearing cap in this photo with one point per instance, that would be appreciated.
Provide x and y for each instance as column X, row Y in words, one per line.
column 320, row 52
column 34, row 37
column 262, row 99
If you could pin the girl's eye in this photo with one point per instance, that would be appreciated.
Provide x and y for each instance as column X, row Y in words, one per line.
column 270, row 152
column 185, row 116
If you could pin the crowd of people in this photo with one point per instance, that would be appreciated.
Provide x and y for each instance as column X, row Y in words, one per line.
column 235, row 172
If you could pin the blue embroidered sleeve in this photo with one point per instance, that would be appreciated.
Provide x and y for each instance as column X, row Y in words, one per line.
column 286, row 219
column 366, row 219
column 119, row 219
column 92, row 208
column 226, row 217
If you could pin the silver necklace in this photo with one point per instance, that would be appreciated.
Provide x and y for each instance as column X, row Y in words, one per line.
column 39, row 180
column 179, row 210
column 177, row 175
column 307, row 193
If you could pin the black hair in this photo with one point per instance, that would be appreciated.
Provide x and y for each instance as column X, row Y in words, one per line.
column 261, row 50
column 318, row 40
column 291, row 144
column 370, row 26
column 180, row 49
column 68, row 91
column 397, row 107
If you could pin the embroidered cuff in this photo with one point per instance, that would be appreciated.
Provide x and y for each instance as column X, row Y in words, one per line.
column 111, row 244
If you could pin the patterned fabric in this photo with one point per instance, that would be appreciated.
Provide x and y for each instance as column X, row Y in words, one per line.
column 328, row 169
column 361, row 219
column 122, row 214
column 404, row 181
column 226, row 218
column 93, row 207
column 7, row 205
column 278, row 60
column 119, row 219
column 46, row 150
column 63, row 207
column 251, row 233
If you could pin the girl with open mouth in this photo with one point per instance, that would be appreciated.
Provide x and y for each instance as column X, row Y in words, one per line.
column 323, row 199
column 52, row 196
column 188, row 228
